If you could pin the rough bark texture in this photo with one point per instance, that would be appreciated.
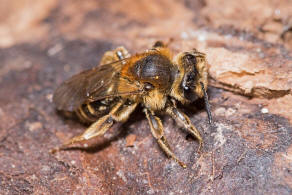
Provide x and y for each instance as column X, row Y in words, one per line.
column 249, row 50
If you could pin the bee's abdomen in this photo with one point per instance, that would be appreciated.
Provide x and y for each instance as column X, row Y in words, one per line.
column 90, row 112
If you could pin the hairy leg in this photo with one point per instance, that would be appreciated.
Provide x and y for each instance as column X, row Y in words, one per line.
column 184, row 120
column 119, row 113
column 114, row 55
column 158, row 132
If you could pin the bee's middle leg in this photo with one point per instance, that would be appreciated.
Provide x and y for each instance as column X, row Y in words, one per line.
column 120, row 113
column 157, row 131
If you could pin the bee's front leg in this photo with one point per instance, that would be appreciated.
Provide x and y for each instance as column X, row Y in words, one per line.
column 119, row 113
column 184, row 120
column 158, row 132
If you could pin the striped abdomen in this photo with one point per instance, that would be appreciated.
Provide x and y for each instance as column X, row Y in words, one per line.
column 90, row 112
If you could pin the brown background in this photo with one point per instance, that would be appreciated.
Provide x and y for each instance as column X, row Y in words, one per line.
column 248, row 46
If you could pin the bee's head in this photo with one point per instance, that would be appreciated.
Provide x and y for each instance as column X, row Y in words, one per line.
column 191, row 79
column 192, row 75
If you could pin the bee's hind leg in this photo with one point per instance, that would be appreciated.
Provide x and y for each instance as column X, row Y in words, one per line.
column 163, row 44
column 119, row 113
column 157, row 131
column 114, row 55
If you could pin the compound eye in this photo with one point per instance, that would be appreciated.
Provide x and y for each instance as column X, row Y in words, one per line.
column 191, row 59
column 190, row 79
column 189, row 94
column 188, row 85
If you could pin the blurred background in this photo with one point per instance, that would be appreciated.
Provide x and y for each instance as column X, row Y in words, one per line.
column 122, row 21
column 249, row 51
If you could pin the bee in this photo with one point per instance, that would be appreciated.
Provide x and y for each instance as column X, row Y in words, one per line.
column 155, row 79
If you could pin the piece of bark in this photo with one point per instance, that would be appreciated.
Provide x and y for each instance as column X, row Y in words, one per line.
column 130, row 139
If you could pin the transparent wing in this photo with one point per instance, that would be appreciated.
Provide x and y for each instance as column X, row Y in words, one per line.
column 92, row 85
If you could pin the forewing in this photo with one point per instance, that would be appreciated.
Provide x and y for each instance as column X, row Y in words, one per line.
column 79, row 88
column 95, row 84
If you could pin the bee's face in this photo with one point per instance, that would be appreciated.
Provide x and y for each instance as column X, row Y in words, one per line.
column 192, row 72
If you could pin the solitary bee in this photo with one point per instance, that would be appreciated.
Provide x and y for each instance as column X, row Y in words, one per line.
column 110, row 92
